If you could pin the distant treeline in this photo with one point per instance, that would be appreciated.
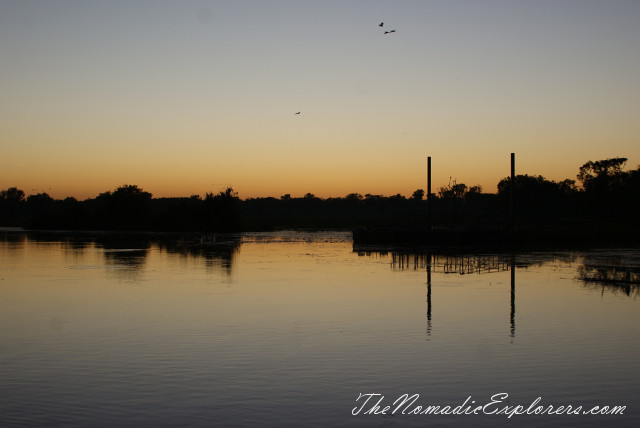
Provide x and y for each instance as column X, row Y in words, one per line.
column 606, row 191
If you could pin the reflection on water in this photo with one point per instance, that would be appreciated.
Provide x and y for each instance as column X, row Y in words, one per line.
column 287, row 329
column 461, row 264
column 125, row 255
column 512, row 314
column 612, row 273
column 456, row 264
column 217, row 252
column 606, row 270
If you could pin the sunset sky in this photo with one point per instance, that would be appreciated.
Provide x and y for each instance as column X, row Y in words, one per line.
column 191, row 96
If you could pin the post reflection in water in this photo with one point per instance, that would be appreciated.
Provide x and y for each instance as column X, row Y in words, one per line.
column 462, row 265
column 429, row 295
column 513, row 297
column 301, row 327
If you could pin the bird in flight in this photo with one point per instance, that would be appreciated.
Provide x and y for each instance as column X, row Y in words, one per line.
column 297, row 112
column 391, row 31
column 381, row 24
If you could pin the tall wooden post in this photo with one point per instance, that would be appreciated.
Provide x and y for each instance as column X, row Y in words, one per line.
column 429, row 193
column 513, row 185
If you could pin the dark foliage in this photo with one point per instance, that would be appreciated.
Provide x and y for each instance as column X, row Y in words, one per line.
column 610, row 191
column 607, row 192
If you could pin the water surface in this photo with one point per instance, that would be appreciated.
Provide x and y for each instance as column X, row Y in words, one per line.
column 288, row 329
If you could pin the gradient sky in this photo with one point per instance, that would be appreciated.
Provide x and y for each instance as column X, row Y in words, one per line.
column 187, row 97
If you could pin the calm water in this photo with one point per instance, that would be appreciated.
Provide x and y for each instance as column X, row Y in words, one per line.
column 288, row 329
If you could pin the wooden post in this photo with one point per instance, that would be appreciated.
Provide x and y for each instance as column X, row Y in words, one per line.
column 513, row 183
column 429, row 193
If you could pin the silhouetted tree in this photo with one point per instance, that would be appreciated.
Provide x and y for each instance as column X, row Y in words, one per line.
column 12, row 194
column 39, row 201
column 451, row 200
column 126, row 208
column 131, row 193
column 610, row 191
column 525, row 184
column 602, row 175
column 39, row 197
column 12, row 207
column 634, row 181
column 453, row 190
column 535, row 195
column 567, row 186
column 221, row 211
column 607, row 191
column 46, row 212
column 475, row 189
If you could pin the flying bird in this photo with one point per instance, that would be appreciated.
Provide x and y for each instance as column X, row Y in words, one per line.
column 391, row 31
column 381, row 24
column 298, row 113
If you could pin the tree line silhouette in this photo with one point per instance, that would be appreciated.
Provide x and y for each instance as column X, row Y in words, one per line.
column 606, row 192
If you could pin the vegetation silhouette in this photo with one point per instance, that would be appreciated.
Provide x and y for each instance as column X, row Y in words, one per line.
column 602, row 207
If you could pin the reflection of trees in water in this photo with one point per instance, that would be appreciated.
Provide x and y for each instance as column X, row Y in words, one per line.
column 631, row 290
column 127, row 264
column 13, row 238
column 67, row 242
column 218, row 252
column 612, row 272
column 126, row 254
column 79, row 245
column 72, row 247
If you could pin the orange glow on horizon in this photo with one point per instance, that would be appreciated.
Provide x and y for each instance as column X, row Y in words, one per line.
column 178, row 107
column 323, row 182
